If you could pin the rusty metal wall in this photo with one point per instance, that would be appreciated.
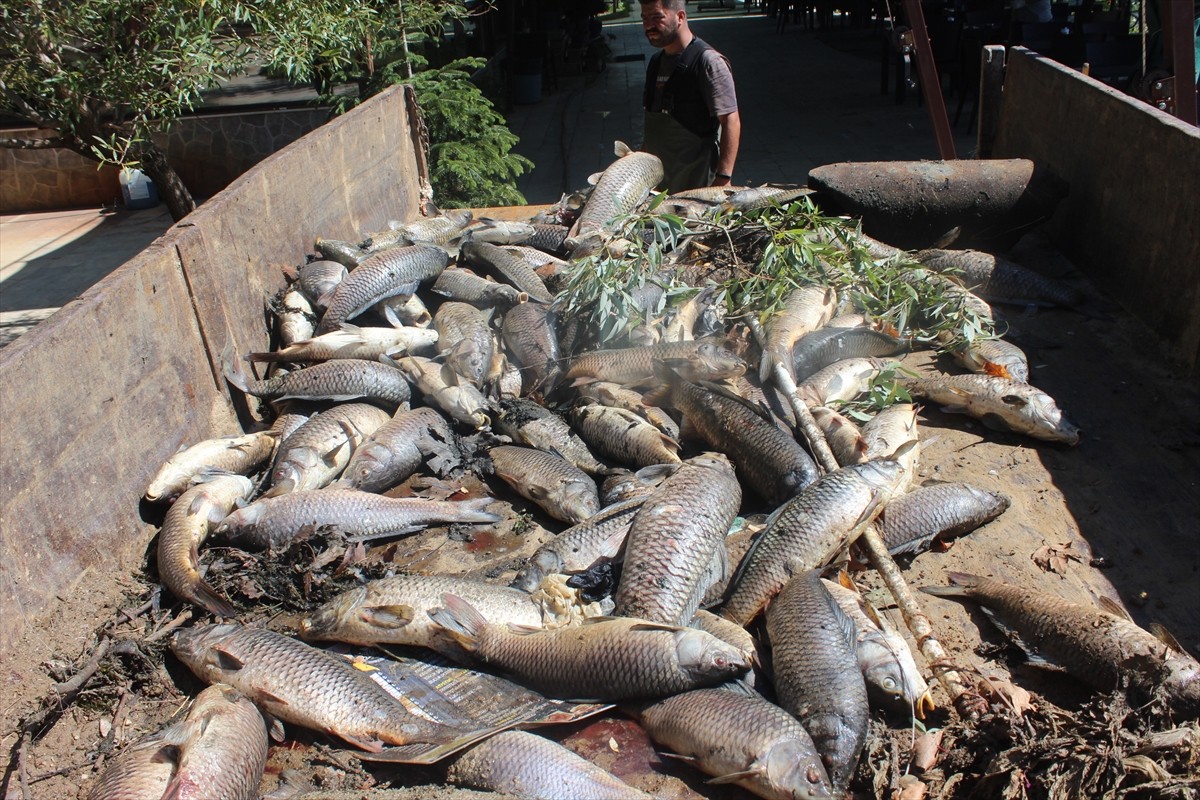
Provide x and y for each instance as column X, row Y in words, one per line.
column 1132, row 219
column 93, row 400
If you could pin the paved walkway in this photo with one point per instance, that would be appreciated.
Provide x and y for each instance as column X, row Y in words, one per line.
column 807, row 98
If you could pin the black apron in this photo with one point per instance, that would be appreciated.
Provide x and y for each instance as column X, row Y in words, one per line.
column 687, row 159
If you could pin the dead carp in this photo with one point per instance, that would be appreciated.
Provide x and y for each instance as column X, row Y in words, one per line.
column 446, row 389
column 888, row 667
column 623, row 436
column 676, row 538
column 352, row 342
column 1102, row 647
column 558, row 487
column 1000, row 280
column 186, row 526
column 391, row 273
column 463, row 285
column 910, row 523
column 529, row 766
column 302, row 685
column 844, row 437
column 632, row 366
column 809, row 529
column 741, row 738
column 601, row 537
column 892, row 433
column 318, row 279
column 769, row 461
column 620, row 189
column 604, row 659
column 337, row 380
column 840, row 382
column 394, row 610
column 804, row 310
column 399, row 447
column 465, row 340
column 531, row 337
column 529, row 423
column 317, row 452
column 989, row 357
column 271, row 522
column 999, row 403
column 821, row 348
column 509, row 267
column 816, row 672
column 240, row 455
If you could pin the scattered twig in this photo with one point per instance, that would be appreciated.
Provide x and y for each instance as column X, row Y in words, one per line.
column 70, row 687
column 968, row 703
column 183, row 617
column 22, row 767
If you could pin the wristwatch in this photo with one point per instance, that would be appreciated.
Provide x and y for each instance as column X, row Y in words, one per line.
column 725, row 176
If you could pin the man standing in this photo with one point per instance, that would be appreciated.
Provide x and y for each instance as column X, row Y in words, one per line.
column 692, row 120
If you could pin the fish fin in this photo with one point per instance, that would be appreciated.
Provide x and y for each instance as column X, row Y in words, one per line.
column 235, row 373
column 654, row 626
column 621, row 149
column 725, row 392
column 594, row 178
column 679, row 757
column 388, row 616
column 1111, row 606
column 212, row 600
column 392, row 318
column 845, row 621
column 227, row 660
column 369, row 745
column 329, row 457
column 276, row 731
column 1166, row 637
column 732, row 777
column 459, row 619
column 265, row 696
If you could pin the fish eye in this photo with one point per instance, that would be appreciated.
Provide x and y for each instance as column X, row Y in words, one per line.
column 889, row 683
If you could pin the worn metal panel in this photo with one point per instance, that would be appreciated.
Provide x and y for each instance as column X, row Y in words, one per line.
column 1132, row 217
column 93, row 400
column 98, row 396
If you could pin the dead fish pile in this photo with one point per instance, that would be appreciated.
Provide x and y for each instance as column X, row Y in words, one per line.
column 443, row 381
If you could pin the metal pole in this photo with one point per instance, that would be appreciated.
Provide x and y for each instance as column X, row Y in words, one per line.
column 931, row 85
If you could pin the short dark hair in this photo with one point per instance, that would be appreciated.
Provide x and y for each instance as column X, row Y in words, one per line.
column 669, row 5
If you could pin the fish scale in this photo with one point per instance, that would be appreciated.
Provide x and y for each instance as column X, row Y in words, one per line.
column 317, row 451
column 621, row 188
column 693, row 360
column 464, row 285
column 1000, row 403
column 387, row 274
column 673, row 539
column 302, row 685
column 809, row 529
column 398, row 448
column 527, row 422
column 624, row 436
column 734, row 733
column 530, row 335
column 340, row 379
column 1095, row 646
column 769, row 460
column 227, row 754
column 273, row 521
column 606, row 659
column 509, row 267
column 816, row 672
column 910, row 523
column 560, row 488
column 527, row 765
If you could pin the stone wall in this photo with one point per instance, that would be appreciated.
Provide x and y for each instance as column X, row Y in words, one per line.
column 207, row 150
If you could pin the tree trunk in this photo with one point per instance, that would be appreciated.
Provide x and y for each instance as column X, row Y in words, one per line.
column 153, row 162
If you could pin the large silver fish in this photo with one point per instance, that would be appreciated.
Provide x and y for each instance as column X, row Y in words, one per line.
column 675, row 539
column 399, row 447
column 911, row 522
column 1100, row 647
column 740, row 738
column 999, row 403
column 804, row 310
column 607, row 659
column 241, row 455
column 808, row 530
column 560, row 488
column 300, row 684
column 317, row 452
column 621, row 188
column 397, row 271
column 599, row 538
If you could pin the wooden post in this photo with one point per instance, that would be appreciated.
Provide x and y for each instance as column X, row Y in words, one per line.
column 1180, row 32
column 991, row 86
column 931, row 84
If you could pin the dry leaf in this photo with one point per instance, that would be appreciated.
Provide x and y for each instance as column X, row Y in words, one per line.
column 249, row 589
column 612, row 745
column 1055, row 558
column 925, row 749
column 1008, row 693
column 910, row 789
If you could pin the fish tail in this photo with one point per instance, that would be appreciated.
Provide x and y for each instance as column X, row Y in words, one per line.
column 235, row 373
column 213, row 601
column 460, row 620
column 474, row 510
column 964, row 585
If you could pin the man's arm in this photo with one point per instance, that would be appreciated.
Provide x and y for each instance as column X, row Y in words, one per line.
column 731, row 135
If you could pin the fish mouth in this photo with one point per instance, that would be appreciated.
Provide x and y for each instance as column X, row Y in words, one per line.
column 924, row 701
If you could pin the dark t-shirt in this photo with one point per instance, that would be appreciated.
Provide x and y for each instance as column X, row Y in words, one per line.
column 715, row 77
